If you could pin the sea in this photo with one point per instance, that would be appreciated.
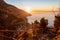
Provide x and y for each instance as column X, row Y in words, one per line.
column 38, row 15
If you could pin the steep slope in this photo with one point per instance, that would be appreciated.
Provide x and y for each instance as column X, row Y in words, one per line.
column 10, row 14
column 11, row 18
column 12, row 9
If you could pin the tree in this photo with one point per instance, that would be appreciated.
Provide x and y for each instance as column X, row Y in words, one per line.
column 43, row 22
column 35, row 27
column 43, row 25
column 57, row 23
column 36, row 22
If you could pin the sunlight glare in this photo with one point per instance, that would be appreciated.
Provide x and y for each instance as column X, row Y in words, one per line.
column 28, row 9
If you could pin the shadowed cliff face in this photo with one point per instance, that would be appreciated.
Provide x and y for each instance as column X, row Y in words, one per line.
column 10, row 15
column 11, row 18
column 12, row 9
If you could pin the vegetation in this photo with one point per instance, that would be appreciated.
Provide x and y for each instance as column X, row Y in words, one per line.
column 16, row 27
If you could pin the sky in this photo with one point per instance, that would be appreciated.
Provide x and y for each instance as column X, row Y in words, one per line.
column 35, row 4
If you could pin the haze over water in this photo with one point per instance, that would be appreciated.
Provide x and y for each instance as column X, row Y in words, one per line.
column 38, row 15
column 37, row 5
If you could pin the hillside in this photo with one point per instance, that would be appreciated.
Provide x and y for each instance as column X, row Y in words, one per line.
column 12, row 9
column 11, row 18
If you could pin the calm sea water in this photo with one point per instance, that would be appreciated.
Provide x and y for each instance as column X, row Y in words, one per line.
column 38, row 15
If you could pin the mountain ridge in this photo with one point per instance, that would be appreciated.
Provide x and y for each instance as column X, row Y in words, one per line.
column 12, row 9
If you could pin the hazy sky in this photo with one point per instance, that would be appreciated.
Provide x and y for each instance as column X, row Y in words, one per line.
column 34, row 4
column 37, row 5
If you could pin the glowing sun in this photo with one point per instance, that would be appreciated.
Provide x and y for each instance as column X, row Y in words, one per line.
column 28, row 9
